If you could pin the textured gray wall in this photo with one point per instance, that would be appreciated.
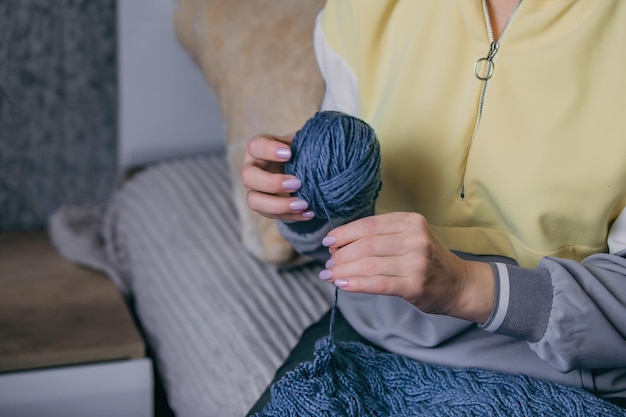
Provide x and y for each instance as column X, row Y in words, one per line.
column 58, row 94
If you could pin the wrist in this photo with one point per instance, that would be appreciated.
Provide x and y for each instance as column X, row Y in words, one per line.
column 477, row 292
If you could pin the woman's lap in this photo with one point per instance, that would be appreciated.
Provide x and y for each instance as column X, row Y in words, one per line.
column 303, row 351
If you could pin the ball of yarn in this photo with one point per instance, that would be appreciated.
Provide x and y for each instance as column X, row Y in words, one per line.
column 337, row 158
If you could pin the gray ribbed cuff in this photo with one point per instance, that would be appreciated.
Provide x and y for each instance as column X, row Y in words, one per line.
column 523, row 302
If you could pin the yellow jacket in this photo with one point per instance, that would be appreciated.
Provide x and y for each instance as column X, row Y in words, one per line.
column 544, row 170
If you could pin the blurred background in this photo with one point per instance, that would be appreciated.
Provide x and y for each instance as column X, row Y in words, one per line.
column 58, row 101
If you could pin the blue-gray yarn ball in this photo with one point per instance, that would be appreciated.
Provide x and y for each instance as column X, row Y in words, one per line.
column 337, row 158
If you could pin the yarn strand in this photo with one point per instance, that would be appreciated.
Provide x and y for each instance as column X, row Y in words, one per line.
column 333, row 313
column 337, row 159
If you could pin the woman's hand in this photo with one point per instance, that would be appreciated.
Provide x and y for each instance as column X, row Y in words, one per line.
column 262, row 172
column 398, row 254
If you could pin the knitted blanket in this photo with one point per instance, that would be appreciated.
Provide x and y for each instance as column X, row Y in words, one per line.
column 351, row 379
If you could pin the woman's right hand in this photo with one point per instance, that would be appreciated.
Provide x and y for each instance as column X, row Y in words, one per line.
column 262, row 173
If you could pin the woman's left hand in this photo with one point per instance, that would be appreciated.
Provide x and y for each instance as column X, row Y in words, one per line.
column 398, row 254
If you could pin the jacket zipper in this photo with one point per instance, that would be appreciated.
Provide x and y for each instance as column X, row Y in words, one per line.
column 487, row 61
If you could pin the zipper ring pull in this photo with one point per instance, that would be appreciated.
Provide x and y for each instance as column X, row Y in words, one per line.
column 493, row 49
column 489, row 70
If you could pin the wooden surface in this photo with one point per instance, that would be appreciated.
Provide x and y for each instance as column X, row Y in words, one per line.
column 55, row 313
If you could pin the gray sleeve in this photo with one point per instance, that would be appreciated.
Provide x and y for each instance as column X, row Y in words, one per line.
column 572, row 314
column 306, row 237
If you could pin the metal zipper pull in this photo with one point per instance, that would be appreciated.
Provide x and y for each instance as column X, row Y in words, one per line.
column 490, row 65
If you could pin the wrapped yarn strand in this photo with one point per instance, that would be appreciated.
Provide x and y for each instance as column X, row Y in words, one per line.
column 337, row 158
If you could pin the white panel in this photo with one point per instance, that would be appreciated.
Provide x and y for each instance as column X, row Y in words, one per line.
column 166, row 108
column 115, row 389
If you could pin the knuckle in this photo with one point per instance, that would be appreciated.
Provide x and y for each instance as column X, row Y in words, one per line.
column 413, row 242
column 369, row 268
column 424, row 246
column 252, row 200
column 369, row 225
column 417, row 220
column 252, row 145
column 419, row 244
column 383, row 286
column 246, row 177
column 367, row 247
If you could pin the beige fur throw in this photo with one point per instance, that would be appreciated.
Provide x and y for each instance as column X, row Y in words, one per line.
column 258, row 57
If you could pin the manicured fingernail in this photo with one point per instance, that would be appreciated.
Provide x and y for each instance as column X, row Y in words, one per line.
column 326, row 274
column 328, row 241
column 292, row 184
column 329, row 263
column 297, row 205
column 308, row 214
column 284, row 153
column 341, row 283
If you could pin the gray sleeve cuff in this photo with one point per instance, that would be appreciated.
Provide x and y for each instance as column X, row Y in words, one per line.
column 306, row 237
column 523, row 302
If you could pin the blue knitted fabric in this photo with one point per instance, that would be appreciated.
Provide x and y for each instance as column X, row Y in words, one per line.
column 337, row 158
column 351, row 379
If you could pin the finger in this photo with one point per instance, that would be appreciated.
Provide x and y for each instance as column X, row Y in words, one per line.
column 369, row 269
column 383, row 224
column 279, row 207
column 270, row 148
column 381, row 285
column 370, row 246
column 258, row 179
column 389, row 266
